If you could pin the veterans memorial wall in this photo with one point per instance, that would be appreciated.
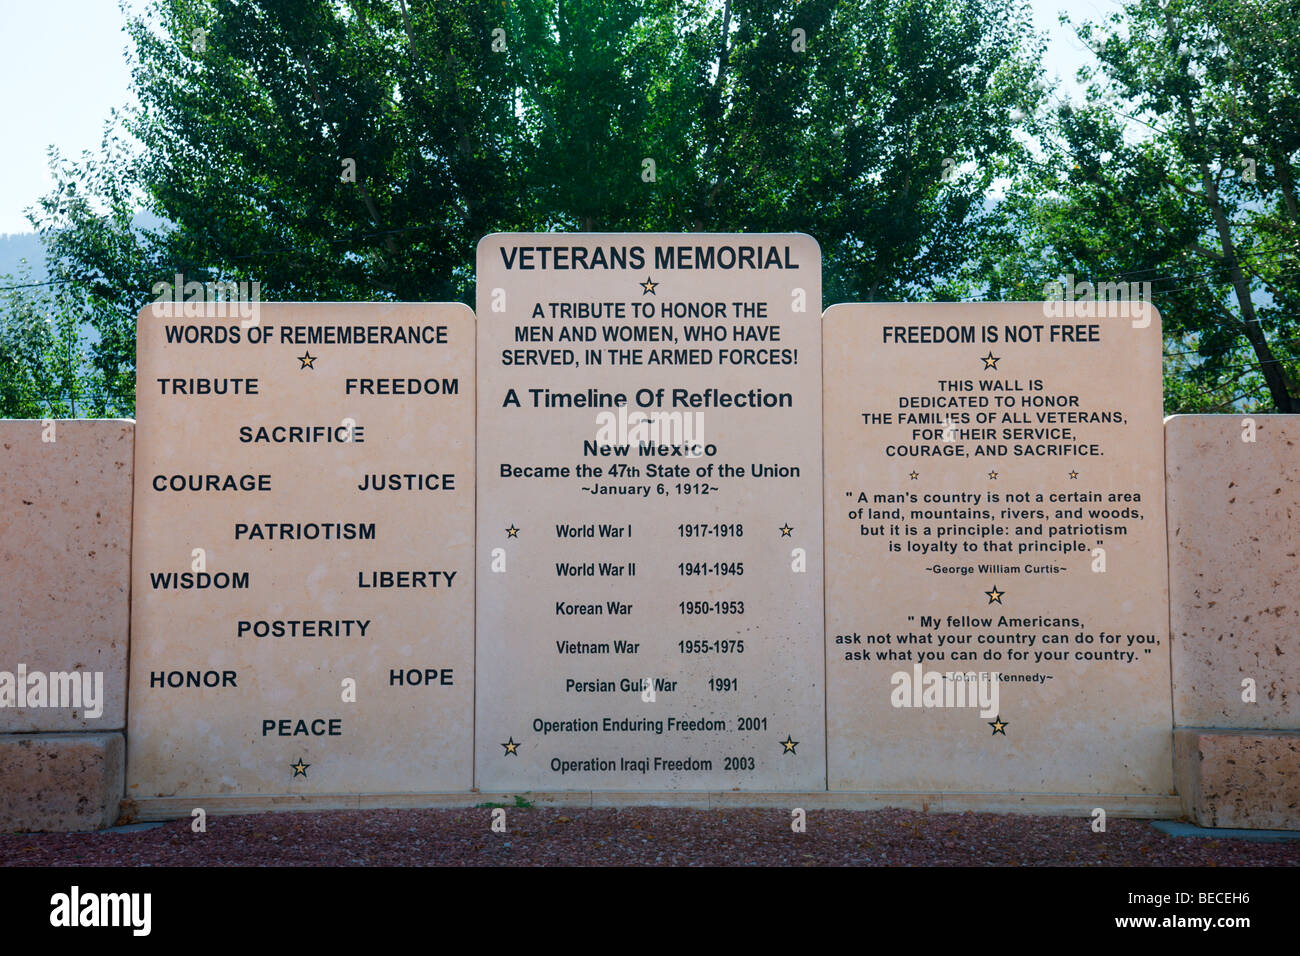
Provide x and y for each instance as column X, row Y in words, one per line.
column 647, row 525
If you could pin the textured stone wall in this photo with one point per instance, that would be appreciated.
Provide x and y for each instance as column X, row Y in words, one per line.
column 1234, row 539
column 65, row 549
column 1233, row 493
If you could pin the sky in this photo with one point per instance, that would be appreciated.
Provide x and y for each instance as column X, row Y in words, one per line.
column 63, row 70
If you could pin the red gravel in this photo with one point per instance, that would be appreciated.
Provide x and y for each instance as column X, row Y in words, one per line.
column 639, row 836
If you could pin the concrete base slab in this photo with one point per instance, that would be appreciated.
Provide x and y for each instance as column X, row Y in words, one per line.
column 60, row 782
column 1177, row 828
column 1248, row 779
column 135, row 827
column 1141, row 806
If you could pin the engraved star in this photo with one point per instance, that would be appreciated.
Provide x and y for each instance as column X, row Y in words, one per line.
column 1074, row 475
column 995, row 596
column 649, row 287
column 512, row 531
column 512, row 748
column 914, row 475
column 789, row 744
column 991, row 360
column 299, row 769
column 308, row 361
column 993, row 475
column 999, row 726
column 785, row 531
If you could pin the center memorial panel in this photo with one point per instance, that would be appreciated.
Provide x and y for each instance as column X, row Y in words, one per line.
column 649, row 606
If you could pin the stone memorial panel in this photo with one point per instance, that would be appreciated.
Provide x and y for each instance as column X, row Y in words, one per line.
column 997, row 600
column 302, row 582
column 649, row 513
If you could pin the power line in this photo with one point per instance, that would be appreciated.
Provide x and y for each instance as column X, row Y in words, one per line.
column 33, row 285
column 1234, row 348
column 1287, row 246
column 387, row 232
column 1280, row 275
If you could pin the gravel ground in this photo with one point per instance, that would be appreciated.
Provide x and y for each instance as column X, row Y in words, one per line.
column 640, row 836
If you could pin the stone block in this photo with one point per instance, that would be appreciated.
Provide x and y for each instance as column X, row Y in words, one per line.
column 1234, row 569
column 1247, row 779
column 60, row 782
column 65, row 551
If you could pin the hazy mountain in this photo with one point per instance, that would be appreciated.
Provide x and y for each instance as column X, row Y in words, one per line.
column 16, row 246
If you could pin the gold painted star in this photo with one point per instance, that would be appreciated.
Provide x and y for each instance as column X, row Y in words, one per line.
column 991, row 360
column 993, row 475
column 299, row 769
column 512, row 748
column 1074, row 475
column 785, row 531
column 308, row 361
column 999, row 726
column 649, row 287
column 512, row 532
column 914, row 475
column 789, row 744
column 995, row 596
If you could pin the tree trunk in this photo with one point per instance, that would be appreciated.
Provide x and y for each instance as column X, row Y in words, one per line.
column 1269, row 366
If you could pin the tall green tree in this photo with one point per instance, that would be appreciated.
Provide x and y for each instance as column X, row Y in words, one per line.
column 359, row 149
column 1180, row 171
column 43, row 369
column 883, row 139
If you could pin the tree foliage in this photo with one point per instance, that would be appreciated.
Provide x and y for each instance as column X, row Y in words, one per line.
column 358, row 149
column 1180, row 171
column 43, row 371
